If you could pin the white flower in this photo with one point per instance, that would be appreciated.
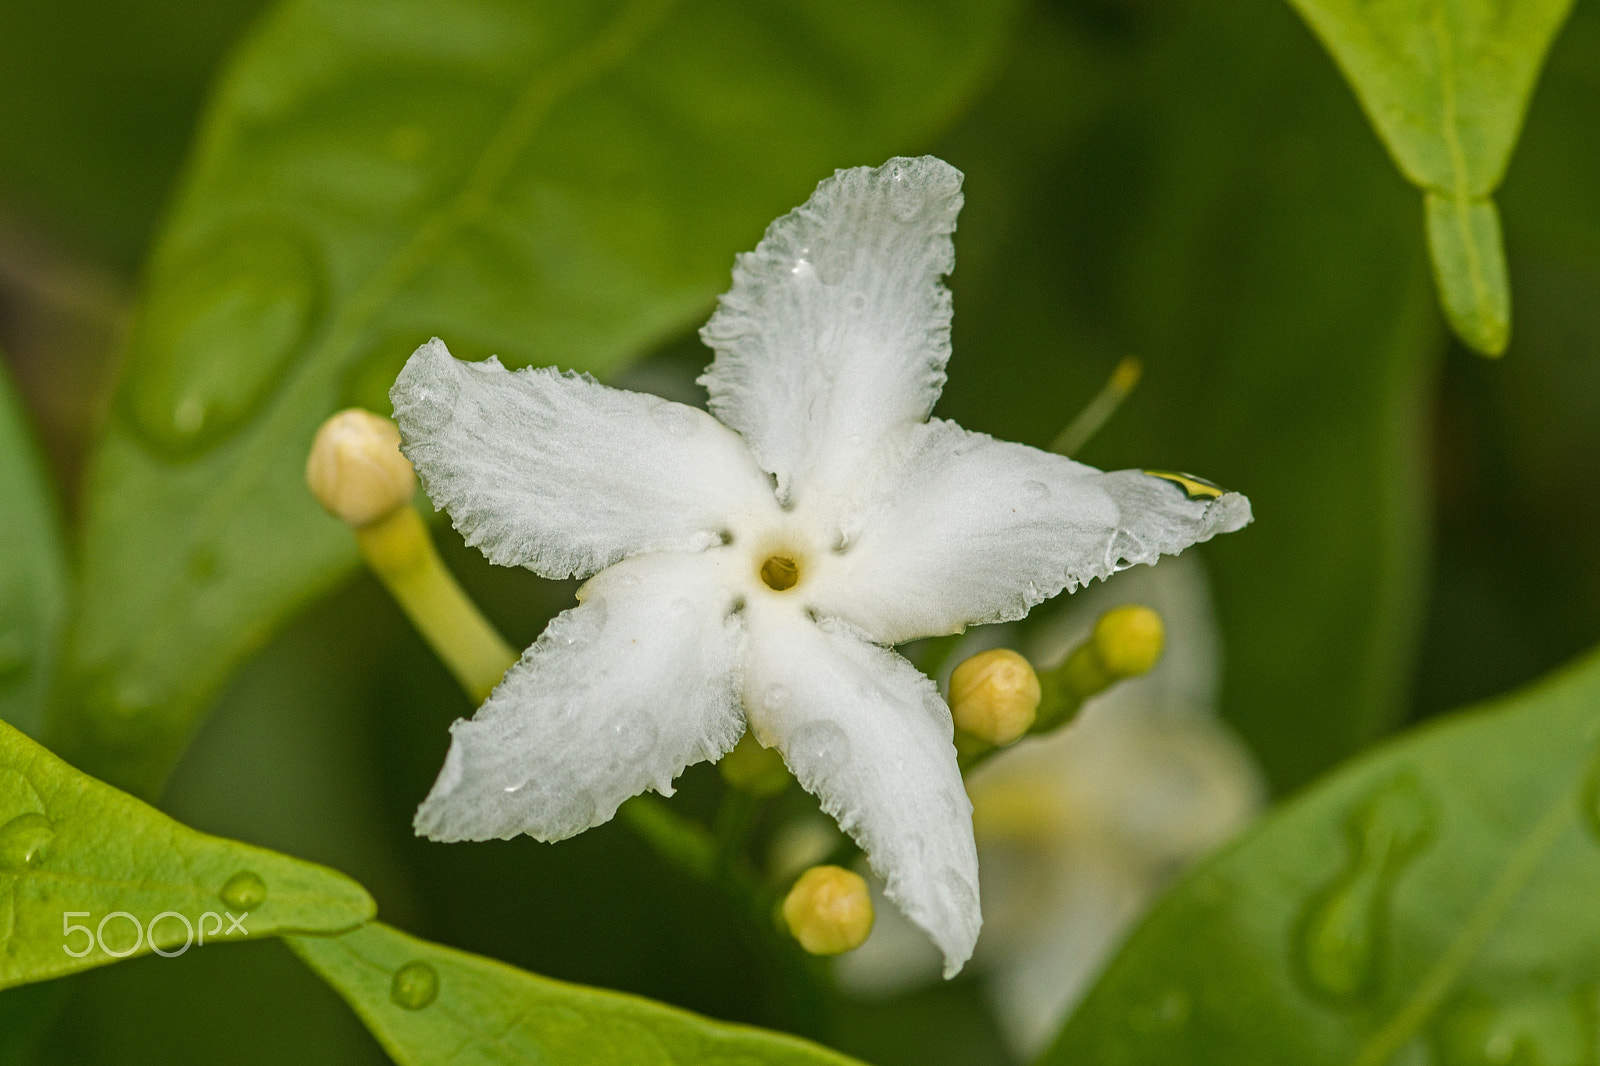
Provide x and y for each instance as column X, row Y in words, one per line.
column 1079, row 831
column 753, row 568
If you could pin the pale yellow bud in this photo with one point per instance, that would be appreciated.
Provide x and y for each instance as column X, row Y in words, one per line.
column 829, row 910
column 355, row 468
column 1128, row 640
column 994, row 696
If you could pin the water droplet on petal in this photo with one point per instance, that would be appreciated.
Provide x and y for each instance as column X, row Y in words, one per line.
column 959, row 893
column 775, row 698
column 1124, row 551
column 415, row 985
column 577, row 814
column 835, row 263
column 1343, row 930
column 633, row 736
column 905, row 201
column 244, row 891
column 579, row 625
column 430, row 405
column 674, row 418
column 24, row 840
column 818, row 750
column 1036, row 490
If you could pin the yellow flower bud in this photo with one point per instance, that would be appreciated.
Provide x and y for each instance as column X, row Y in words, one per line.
column 754, row 769
column 994, row 696
column 829, row 910
column 1128, row 640
column 355, row 468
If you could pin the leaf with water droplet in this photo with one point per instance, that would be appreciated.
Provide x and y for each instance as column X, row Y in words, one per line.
column 427, row 1003
column 1342, row 936
column 1446, row 86
column 74, row 846
column 325, row 228
column 1438, row 891
column 33, row 574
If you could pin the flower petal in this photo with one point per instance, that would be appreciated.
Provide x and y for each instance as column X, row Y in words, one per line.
column 967, row 529
column 837, row 328
column 617, row 695
column 563, row 475
column 868, row 735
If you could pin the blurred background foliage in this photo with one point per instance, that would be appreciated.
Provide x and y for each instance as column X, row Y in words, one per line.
column 1192, row 184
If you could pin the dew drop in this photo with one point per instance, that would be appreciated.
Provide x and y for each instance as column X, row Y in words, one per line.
column 1124, row 551
column 835, row 263
column 431, row 403
column 580, row 624
column 905, row 201
column 1036, row 490
column 24, row 840
column 1168, row 1012
column 633, row 736
column 775, row 698
column 958, row 891
column 244, row 891
column 674, row 419
column 818, row 750
column 1343, row 929
column 1542, row 1027
column 255, row 294
column 415, row 985
column 577, row 814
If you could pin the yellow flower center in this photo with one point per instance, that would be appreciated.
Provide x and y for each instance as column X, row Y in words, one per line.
column 780, row 573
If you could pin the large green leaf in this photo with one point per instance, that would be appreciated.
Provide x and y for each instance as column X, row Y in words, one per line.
column 1446, row 83
column 558, row 183
column 1189, row 201
column 1435, row 896
column 427, row 1004
column 76, row 852
column 100, row 102
column 33, row 574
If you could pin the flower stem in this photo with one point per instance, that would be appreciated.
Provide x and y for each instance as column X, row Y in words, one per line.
column 400, row 551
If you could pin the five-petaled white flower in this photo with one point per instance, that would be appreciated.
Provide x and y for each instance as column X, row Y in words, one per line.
column 753, row 568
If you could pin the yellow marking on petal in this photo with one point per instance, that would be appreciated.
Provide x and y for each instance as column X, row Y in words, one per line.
column 1196, row 488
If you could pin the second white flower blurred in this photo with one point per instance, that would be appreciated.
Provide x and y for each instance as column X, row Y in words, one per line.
column 1080, row 830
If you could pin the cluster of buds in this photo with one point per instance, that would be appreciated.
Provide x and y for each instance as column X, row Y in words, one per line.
column 996, row 699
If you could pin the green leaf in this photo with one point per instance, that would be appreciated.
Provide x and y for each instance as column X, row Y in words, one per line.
column 1189, row 203
column 33, row 573
column 560, row 183
column 76, row 852
column 1434, row 896
column 1446, row 84
column 427, row 1004
column 75, row 142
